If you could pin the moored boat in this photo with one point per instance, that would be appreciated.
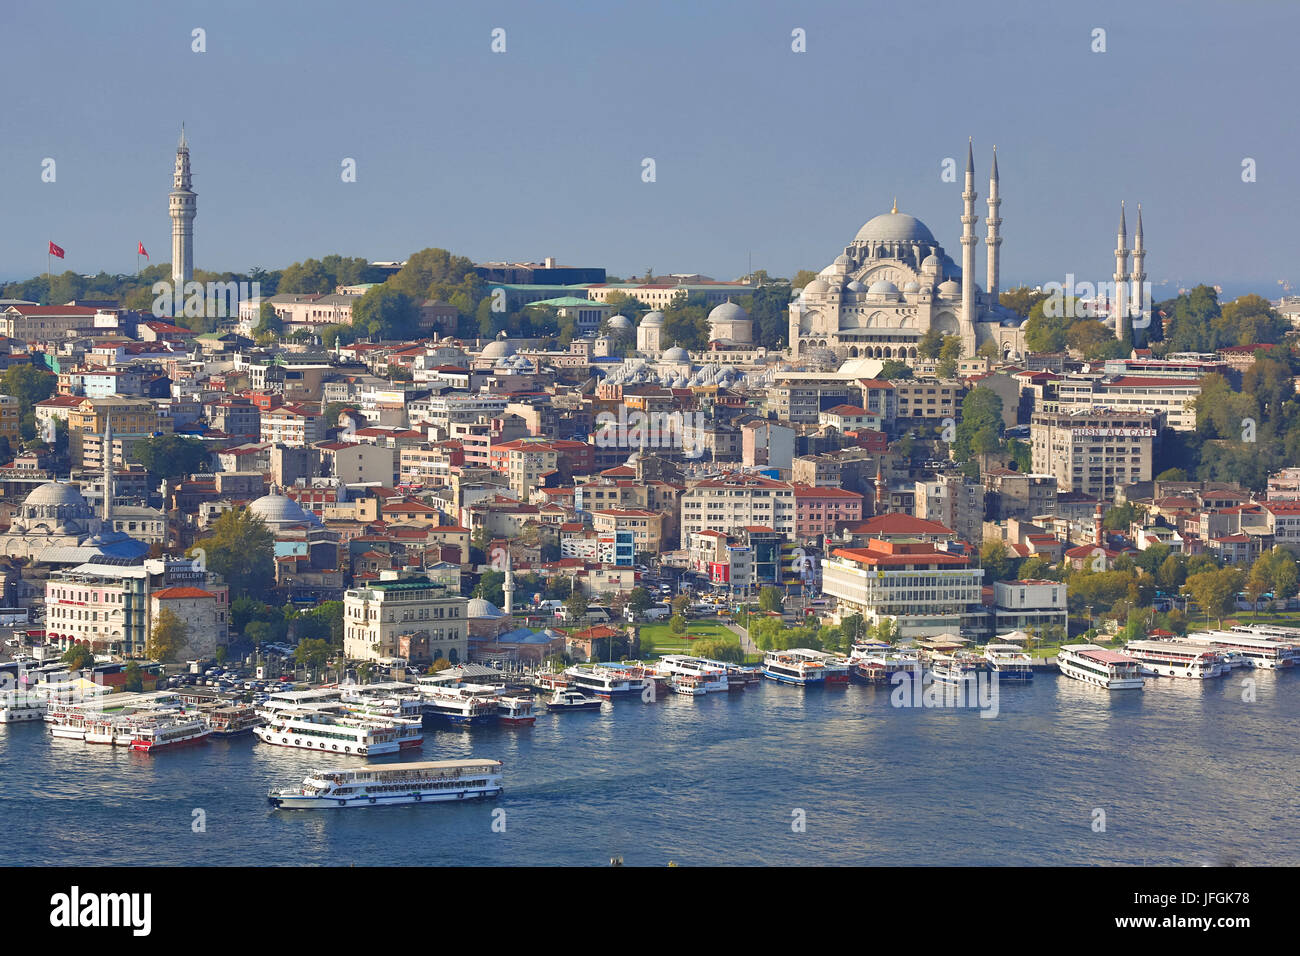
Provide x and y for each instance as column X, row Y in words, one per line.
column 516, row 711
column 1100, row 667
column 1010, row 662
column 164, row 732
column 1174, row 658
column 573, row 700
column 337, row 730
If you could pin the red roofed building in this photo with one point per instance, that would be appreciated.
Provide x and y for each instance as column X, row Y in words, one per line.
column 927, row 591
column 204, row 612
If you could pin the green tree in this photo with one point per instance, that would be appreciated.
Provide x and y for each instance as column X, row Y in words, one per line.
column 638, row 600
column 979, row 433
column 930, row 343
column 1021, row 299
column 385, row 313
column 172, row 456
column 78, row 657
column 240, row 548
column 167, row 636
column 770, row 599
column 312, row 653
column 134, row 682
column 29, row 385
column 997, row 562
column 677, row 624
column 1215, row 592
column 575, row 605
column 893, row 370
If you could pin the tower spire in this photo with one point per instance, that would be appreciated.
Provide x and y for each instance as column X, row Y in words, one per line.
column 182, row 206
column 1120, row 306
column 968, row 240
column 994, row 239
column 1138, row 275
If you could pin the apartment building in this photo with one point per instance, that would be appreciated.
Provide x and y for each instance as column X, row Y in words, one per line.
column 736, row 500
column 377, row 615
column 1174, row 397
column 1094, row 451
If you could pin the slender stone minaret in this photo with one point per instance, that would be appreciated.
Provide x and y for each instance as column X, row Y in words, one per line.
column 1119, row 309
column 994, row 240
column 107, row 521
column 509, row 586
column 1138, row 275
column 968, row 240
column 183, row 206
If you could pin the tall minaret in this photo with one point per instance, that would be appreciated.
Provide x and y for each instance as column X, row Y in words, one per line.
column 1139, row 275
column 509, row 586
column 994, row 240
column 183, row 205
column 1119, row 309
column 106, row 525
column 968, row 240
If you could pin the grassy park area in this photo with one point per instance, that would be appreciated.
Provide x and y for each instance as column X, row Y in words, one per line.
column 666, row 642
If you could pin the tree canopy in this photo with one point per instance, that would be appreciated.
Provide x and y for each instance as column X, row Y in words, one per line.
column 240, row 548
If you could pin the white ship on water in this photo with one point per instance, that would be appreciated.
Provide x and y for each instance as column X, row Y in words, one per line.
column 336, row 729
column 432, row 782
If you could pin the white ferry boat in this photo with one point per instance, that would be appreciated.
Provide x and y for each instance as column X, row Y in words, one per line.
column 804, row 667
column 516, row 711
column 1096, row 665
column 232, row 720
column 460, row 703
column 431, row 782
column 1255, row 649
column 337, row 730
column 19, row 706
column 1010, row 662
column 959, row 669
column 604, row 682
column 707, row 677
column 172, row 731
column 876, row 663
column 1173, row 658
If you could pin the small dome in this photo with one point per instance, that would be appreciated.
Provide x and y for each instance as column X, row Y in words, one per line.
column 930, row 263
column 620, row 322
column 498, row 348
column 883, row 287
column 855, row 286
column 677, row 354
column 843, row 263
column 728, row 312
column 652, row 320
column 817, row 287
column 912, row 286
column 479, row 607
column 949, row 288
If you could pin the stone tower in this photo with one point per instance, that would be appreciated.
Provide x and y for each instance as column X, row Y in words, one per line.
column 968, row 240
column 994, row 240
column 183, row 204
column 1120, row 307
column 1139, row 275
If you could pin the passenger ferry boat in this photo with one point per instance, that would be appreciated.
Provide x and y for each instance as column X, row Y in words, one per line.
column 1174, row 658
column 604, row 681
column 460, row 703
column 547, row 682
column 428, row 782
column 707, row 677
column 876, row 663
column 959, row 669
column 233, row 720
column 338, row 730
column 1256, row 648
column 19, row 706
column 803, row 667
column 516, row 711
column 739, row 676
column 174, row 731
column 1096, row 665
column 1010, row 662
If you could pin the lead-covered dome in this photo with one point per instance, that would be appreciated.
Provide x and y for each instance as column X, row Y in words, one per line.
column 677, row 354
column 55, row 494
column 894, row 227
column 280, row 511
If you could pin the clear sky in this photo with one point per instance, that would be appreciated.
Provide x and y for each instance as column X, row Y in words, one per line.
column 758, row 150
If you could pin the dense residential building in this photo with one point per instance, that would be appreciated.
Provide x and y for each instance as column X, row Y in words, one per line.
column 378, row 614
column 1094, row 451
column 927, row 591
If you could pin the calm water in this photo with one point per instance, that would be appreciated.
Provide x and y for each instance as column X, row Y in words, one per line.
column 1186, row 772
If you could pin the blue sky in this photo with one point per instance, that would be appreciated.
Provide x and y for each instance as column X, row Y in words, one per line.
column 759, row 150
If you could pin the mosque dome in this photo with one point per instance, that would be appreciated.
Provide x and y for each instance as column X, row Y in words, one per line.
column 728, row 312
column 677, row 354
column 951, row 287
column 278, row 511
column 912, row 286
column 55, row 494
column 817, row 286
column 620, row 322
column 894, row 227
column 883, row 287
column 480, row 607
column 843, row 263
column 855, row 286
column 652, row 320
column 498, row 348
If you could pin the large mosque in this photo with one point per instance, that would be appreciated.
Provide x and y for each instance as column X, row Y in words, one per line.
column 894, row 282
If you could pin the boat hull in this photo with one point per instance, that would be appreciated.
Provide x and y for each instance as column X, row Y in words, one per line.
column 385, row 800
column 149, row 746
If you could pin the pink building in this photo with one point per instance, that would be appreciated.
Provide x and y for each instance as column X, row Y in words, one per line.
column 821, row 511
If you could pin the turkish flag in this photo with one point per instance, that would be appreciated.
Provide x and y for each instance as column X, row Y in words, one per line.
column 55, row 250
column 141, row 251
